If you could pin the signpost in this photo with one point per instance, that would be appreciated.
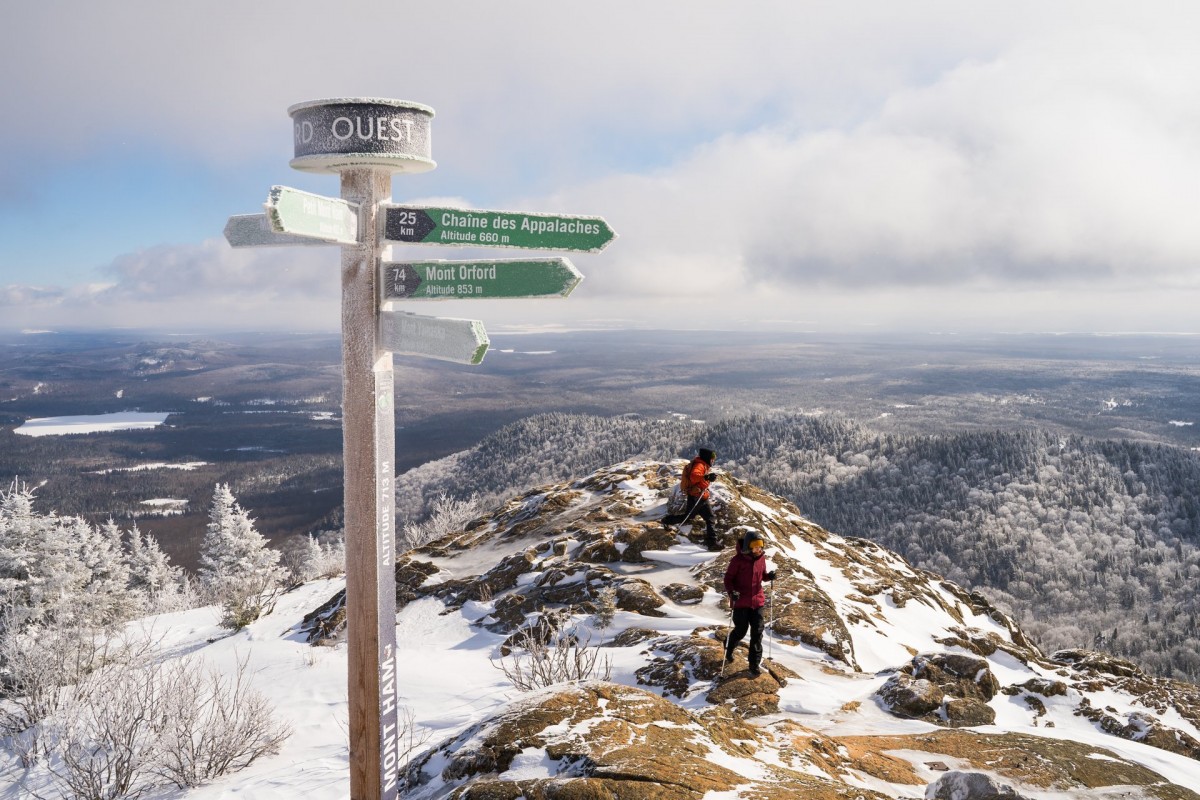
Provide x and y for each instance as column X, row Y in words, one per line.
column 365, row 141
column 346, row 133
column 463, row 341
column 313, row 216
column 457, row 280
column 254, row 230
column 473, row 228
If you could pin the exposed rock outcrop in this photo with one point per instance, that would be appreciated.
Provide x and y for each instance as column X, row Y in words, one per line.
column 586, row 564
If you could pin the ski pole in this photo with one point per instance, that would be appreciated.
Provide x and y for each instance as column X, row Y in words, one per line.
column 771, row 623
column 728, row 633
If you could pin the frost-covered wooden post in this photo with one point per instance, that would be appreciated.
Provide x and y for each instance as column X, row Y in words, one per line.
column 365, row 141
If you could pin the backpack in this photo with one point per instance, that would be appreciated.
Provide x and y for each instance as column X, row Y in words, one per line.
column 678, row 501
column 685, row 480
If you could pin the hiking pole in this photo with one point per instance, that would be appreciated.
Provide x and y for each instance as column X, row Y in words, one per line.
column 687, row 512
column 771, row 623
column 728, row 633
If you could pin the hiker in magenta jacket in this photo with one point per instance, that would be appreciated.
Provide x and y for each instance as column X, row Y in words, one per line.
column 743, row 583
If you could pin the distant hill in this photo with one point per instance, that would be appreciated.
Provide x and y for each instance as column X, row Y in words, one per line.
column 1087, row 543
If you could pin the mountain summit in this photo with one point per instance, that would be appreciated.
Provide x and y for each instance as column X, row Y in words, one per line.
column 880, row 680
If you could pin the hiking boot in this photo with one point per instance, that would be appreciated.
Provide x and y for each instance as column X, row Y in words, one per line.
column 754, row 671
column 713, row 545
column 729, row 658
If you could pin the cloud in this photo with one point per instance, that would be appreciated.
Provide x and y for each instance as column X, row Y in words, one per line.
column 755, row 160
column 1061, row 162
column 208, row 284
column 212, row 269
column 524, row 79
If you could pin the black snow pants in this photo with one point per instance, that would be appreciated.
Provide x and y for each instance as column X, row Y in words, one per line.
column 747, row 619
column 695, row 505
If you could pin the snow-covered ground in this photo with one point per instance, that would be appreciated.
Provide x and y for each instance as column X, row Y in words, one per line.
column 92, row 423
column 447, row 680
column 186, row 466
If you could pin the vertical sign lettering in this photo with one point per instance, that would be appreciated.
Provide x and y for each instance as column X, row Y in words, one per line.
column 385, row 563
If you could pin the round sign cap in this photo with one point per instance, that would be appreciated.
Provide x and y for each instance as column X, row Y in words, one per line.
column 335, row 134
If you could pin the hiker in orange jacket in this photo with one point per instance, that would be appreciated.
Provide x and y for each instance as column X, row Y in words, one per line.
column 694, row 482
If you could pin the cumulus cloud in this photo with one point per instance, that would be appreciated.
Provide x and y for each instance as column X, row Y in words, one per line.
column 212, row 269
column 207, row 284
column 757, row 161
column 1059, row 162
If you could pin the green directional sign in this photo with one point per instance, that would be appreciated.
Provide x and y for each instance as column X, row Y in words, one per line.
column 313, row 216
column 457, row 280
column 474, row 228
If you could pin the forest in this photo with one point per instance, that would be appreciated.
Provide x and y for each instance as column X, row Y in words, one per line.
column 1089, row 543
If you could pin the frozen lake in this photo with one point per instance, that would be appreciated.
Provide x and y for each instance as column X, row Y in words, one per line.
column 92, row 423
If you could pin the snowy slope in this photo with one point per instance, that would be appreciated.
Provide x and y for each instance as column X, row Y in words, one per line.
column 848, row 618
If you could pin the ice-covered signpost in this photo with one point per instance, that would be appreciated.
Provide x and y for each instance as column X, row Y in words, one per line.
column 365, row 141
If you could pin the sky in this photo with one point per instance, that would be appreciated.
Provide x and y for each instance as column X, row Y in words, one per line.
column 807, row 166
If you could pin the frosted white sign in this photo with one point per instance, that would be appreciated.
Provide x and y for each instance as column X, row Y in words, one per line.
column 463, row 341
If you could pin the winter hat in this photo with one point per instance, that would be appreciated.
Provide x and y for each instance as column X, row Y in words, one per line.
column 708, row 456
column 752, row 536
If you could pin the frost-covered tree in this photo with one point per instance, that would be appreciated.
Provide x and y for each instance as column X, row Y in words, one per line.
column 41, row 572
column 237, row 569
column 448, row 515
column 157, row 585
column 106, row 596
column 320, row 555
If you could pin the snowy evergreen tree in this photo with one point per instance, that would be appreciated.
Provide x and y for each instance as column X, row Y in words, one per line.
column 237, row 569
column 106, row 597
column 157, row 585
column 41, row 573
column 311, row 558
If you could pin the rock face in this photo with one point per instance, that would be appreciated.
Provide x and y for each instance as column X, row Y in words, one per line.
column 856, row 636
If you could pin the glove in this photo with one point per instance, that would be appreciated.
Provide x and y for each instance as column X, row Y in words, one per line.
column 710, row 477
column 734, row 596
column 769, row 575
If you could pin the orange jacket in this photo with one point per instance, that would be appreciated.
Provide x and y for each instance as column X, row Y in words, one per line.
column 693, row 481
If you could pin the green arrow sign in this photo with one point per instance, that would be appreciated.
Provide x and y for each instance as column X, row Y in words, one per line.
column 463, row 341
column 473, row 228
column 456, row 280
column 312, row 215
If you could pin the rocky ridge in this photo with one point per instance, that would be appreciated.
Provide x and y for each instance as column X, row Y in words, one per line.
column 881, row 680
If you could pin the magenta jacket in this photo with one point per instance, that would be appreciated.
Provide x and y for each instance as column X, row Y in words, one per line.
column 745, row 576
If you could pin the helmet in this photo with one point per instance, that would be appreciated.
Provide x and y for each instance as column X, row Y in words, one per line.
column 708, row 455
column 752, row 536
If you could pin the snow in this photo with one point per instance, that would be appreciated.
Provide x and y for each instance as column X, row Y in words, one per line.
column 186, row 466
column 92, row 423
column 447, row 681
column 163, row 507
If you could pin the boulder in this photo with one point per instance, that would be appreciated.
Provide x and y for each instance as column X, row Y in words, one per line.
column 906, row 696
column 684, row 594
column 638, row 596
column 968, row 712
column 970, row 786
column 638, row 542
